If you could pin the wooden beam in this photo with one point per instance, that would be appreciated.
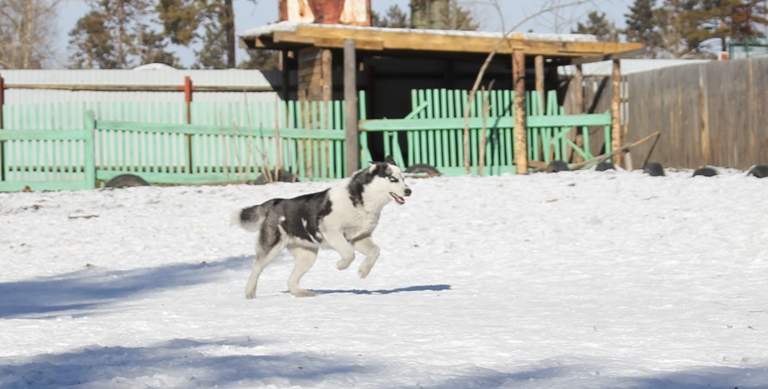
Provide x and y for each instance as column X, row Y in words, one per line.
column 539, row 69
column 285, row 74
column 518, row 82
column 616, row 140
column 350, row 97
column 139, row 88
column 578, row 81
column 630, row 51
column 421, row 41
column 360, row 44
column 326, row 65
column 706, row 150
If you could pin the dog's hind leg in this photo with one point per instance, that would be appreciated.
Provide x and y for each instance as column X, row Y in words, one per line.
column 265, row 254
column 304, row 259
column 371, row 251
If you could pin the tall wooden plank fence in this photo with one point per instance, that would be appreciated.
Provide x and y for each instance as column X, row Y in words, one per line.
column 708, row 114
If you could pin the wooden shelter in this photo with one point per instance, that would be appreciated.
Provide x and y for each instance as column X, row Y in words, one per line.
column 311, row 48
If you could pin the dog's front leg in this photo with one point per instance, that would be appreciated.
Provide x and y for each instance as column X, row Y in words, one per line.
column 371, row 251
column 338, row 242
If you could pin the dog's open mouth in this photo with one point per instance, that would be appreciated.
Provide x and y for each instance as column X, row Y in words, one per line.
column 397, row 198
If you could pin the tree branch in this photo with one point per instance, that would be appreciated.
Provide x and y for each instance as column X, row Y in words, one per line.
column 484, row 67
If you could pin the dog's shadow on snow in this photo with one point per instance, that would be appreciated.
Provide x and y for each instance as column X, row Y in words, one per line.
column 187, row 362
column 91, row 290
column 417, row 288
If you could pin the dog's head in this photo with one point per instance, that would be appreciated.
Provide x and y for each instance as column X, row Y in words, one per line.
column 382, row 181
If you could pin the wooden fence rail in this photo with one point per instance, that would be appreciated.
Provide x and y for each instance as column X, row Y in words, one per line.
column 236, row 142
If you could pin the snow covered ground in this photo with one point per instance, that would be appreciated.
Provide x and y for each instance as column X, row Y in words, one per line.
column 569, row 280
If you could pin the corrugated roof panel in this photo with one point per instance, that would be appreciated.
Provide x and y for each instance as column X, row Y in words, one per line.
column 232, row 78
column 229, row 77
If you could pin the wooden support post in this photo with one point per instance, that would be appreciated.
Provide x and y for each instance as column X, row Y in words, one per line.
column 188, row 88
column 578, row 87
column 706, row 150
column 326, row 62
column 285, row 90
column 2, row 148
column 520, row 138
column 578, row 81
column 539, row 66
column 2, row 99
column 350, row 98
column 616, row 111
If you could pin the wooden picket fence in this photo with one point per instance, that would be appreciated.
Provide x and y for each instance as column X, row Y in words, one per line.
column 79, row 146
column 433, row 133
column 236, row 144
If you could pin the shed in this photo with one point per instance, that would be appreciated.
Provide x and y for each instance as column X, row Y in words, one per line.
column 450, row 59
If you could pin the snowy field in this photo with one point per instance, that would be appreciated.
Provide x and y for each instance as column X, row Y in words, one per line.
column 569, row 280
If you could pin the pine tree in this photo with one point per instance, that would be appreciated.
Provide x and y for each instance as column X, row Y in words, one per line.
column 92, row 43
column 152, row 49
column 180, row 19
column 598, row 26
column 394, row 18
column 676, row 26
column 213, row 52
column 115, row 35
column 441, row 15
column 641, row 25
column 726, row 20
column 184, row 19
column 261, row 60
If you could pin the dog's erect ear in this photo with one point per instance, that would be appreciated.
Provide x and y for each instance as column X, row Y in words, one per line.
column 390, row 160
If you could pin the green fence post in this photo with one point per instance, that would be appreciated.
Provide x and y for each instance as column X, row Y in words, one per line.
column 90, row 149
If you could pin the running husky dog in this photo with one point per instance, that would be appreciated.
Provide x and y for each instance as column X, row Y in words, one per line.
column 342, row 218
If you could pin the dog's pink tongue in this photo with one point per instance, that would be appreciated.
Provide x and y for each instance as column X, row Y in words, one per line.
column 397, row 198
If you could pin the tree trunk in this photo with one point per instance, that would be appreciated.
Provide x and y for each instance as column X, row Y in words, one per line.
column 229, row 27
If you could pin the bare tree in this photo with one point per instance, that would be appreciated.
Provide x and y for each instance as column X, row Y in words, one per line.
column 27, row 32
column 548, row 7
column 559, row 16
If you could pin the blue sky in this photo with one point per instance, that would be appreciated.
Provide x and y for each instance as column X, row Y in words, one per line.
column 248, row 15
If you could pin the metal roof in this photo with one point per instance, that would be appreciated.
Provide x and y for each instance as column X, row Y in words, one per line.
column 168, row 77
column 45, row 86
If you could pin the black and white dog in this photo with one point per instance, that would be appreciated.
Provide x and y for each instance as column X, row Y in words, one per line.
column 342, row 218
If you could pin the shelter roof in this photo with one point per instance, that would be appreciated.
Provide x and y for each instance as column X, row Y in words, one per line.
column 416, row 42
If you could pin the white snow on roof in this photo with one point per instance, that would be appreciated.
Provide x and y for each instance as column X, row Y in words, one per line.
column 286, row 26
column 154, row 66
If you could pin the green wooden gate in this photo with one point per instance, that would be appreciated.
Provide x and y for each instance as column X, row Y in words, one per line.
column 433, row 133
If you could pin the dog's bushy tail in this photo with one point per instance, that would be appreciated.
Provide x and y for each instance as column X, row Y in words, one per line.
column 250, row 219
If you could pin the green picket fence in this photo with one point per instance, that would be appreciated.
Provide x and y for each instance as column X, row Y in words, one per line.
column 433, row 133
column 46, row 159
column 231, row 143
column 306, row 139
column 48, row 147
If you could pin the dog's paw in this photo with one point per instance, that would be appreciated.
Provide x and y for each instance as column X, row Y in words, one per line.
column 363, row 271
column 250, row 295
column 343, row 264
column 303, row 293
